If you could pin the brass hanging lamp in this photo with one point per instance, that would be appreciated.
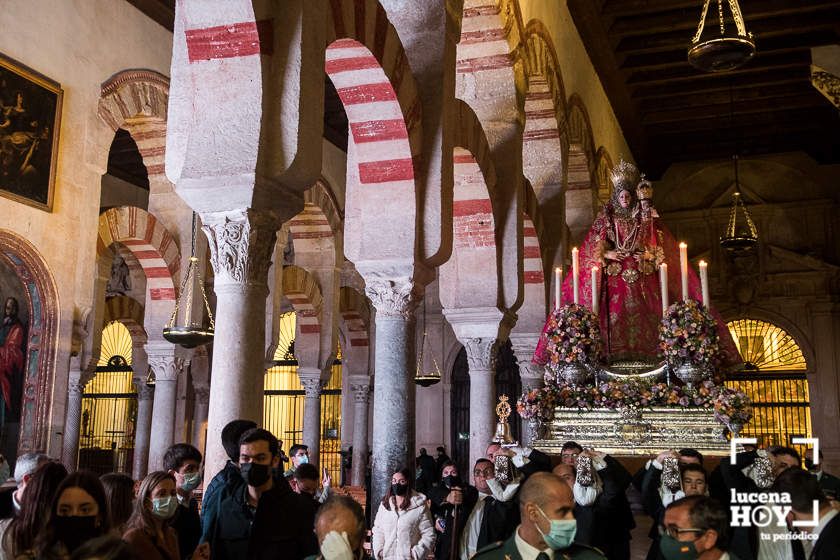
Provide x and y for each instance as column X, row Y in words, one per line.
column 727, row 51
column 741, row 234
column 422, row 377
column 189, row 333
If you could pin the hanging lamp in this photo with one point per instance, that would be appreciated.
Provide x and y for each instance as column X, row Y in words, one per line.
column 727, row 51
column 422, row 378
column 188, row 333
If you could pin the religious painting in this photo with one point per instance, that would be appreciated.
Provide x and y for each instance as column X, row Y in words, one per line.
column 30, row 115
column 13, row 338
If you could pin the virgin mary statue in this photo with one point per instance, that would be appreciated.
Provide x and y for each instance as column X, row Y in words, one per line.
column 628, row 242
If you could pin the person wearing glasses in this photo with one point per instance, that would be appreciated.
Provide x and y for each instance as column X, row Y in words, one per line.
column 695, row 527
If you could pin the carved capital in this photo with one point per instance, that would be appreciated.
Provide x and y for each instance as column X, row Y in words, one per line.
column 312, row 387
column 481, row 353
column 241, row 244
column 394, row 298
column 361, row 392
column 165, row 366
column 76, row 388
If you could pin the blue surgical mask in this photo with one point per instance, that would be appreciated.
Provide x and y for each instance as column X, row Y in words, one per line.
column 191, row 481
column 561, row 532
column 303, row 459
column 164, row 508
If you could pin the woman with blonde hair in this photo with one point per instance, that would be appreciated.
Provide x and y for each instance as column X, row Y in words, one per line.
column 148, row 531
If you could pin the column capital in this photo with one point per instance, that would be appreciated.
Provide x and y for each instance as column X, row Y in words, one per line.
column 481, row 353
column 241, row 244
column 76, row 388
column 361, row 392
column 165, row 366
column 312, row 387
column 396, row 298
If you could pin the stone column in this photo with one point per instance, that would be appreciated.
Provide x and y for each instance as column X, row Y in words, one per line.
column 531, row 374
column 361, row 395
column 241, row 243
column 163, row 363
column 481, row 354
column 393, row 394
column 142, row 428
column 202, row 403
column 310, row 378
column 73, row 417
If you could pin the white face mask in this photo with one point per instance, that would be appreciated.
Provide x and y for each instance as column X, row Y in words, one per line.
column 164, row 508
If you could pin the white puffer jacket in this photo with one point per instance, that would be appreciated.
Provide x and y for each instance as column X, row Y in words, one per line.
column 403, row 534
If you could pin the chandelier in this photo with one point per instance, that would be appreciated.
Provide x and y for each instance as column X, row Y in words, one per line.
column 188, row 333
column 421, row 377
column 727, row 51
column 741, row 234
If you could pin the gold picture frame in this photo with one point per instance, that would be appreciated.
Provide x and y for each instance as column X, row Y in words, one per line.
column 30, row 118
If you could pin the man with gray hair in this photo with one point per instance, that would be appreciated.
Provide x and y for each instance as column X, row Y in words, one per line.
column 25, row 465
column 340, row 527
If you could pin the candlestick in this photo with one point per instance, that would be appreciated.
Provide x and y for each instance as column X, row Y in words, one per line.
column 595, row 290
column 704, row 282
column 684, row 269
column 558, row 275
column 575, row 275
column 663, row 286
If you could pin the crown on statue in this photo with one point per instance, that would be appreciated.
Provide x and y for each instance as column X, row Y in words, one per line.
column 624, row 177
column 645, row 189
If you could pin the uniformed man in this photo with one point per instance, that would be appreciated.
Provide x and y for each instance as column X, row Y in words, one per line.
column 548, row 527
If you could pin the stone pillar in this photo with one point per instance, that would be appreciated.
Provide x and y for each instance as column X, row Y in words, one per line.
column 361, row 395
column 310, row 378
column 163, row 363
column 202, row 403
column 531, row 374
column 142, row 428
column 481, row 354
column 72, row 421
column 393, row 394
column 241, row 243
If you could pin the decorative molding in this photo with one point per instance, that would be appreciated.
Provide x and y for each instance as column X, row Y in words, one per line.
column 827, row 84
column 361, row 392
column 394, row 298
column 312, row 387
column 241, row 245
column 481, row 353
column 165, row 366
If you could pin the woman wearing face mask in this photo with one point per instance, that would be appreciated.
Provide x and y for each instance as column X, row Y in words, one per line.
column 78, row 514
column 149, row 533
column 403, row 527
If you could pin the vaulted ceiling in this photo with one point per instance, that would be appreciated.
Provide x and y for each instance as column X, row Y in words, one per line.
column 670, row 111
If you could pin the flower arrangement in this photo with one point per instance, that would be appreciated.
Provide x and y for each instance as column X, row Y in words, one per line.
column 730, row 405
column 688, row 333
column 572, row 335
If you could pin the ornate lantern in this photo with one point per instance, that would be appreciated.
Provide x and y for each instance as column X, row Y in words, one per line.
column 727, row 51
column 741, row 234
column 422, row 377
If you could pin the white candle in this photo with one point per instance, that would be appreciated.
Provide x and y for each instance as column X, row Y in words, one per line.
column 663, row 286
column 595, row 290
column 575, row 275
column 704, row 282
column 558, row 275
column 684, row 269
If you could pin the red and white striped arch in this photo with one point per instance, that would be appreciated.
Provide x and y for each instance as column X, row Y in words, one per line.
column 310, row 230
column 130, row 313
column 300, row 288
column 356, row 317
column 149, row 242
column 581, row 193
column 472, row 211
column 533, row 258
column 136, row 100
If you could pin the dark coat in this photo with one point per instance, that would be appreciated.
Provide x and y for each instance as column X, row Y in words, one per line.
column 453, row 518
column 507, row 550
column 187, row 525
column 281, row 526
column 827, row 546
column 213, row 495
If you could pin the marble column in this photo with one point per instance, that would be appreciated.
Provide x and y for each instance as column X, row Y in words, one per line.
column 394, row 390
column 73, row 416
column 202, row 403
column 165, row 367
column 361, row 395
column 142, row 428
column 310, row 378
column 481, row 354
column 531, row 374
column 241, row 244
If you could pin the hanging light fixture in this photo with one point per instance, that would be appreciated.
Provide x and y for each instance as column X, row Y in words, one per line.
column 190, row 334
column 731, row 49
column 422, row 378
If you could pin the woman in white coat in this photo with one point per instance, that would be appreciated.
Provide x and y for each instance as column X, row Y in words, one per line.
column 403, row 528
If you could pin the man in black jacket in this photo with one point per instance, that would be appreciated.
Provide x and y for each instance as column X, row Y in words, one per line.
column 804, row 490
column 452, row 501
column 492, row 518
column 261, row 518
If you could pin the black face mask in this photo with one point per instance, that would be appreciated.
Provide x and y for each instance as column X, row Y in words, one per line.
column 451, row 481
column 75, row 530
column 399, row 489
column 255, row 474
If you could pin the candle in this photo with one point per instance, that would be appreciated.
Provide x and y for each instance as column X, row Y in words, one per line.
column 704, row 282
column 595, row 289
column 684, row 269
column 575, row 275
column 558, row 274
column 663, row 286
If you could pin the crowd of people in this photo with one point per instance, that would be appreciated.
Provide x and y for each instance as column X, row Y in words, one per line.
column 254, row 508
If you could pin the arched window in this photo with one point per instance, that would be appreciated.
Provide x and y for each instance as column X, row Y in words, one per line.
column 284, row 396
column 109, row 407
column 774, row 378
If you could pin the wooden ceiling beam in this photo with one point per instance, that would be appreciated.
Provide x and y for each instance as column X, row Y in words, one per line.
column 761, row 63
column 715, row 83
column 764, row 106
column 745, row 123
column 690, row 99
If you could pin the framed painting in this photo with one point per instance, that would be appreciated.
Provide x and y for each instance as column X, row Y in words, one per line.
column 30, row 115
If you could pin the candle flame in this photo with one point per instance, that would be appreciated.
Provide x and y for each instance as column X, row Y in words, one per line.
column 683, row 245
column 702, row 263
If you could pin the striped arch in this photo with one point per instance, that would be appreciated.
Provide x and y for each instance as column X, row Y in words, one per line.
column 355, row 315
column 150, row 243
column 321, row 195
column 581, row 194
column 136, row 100
column 130, row 313
column 311, row 232
column 603, row 167
column 300, row 288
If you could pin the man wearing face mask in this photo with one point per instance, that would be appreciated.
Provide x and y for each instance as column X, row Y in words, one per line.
column 548, row 527
column 262, row 519
column 829, row 484
column 183, row 461
column 298, row 455
column 695, row 527
column 452, row 501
